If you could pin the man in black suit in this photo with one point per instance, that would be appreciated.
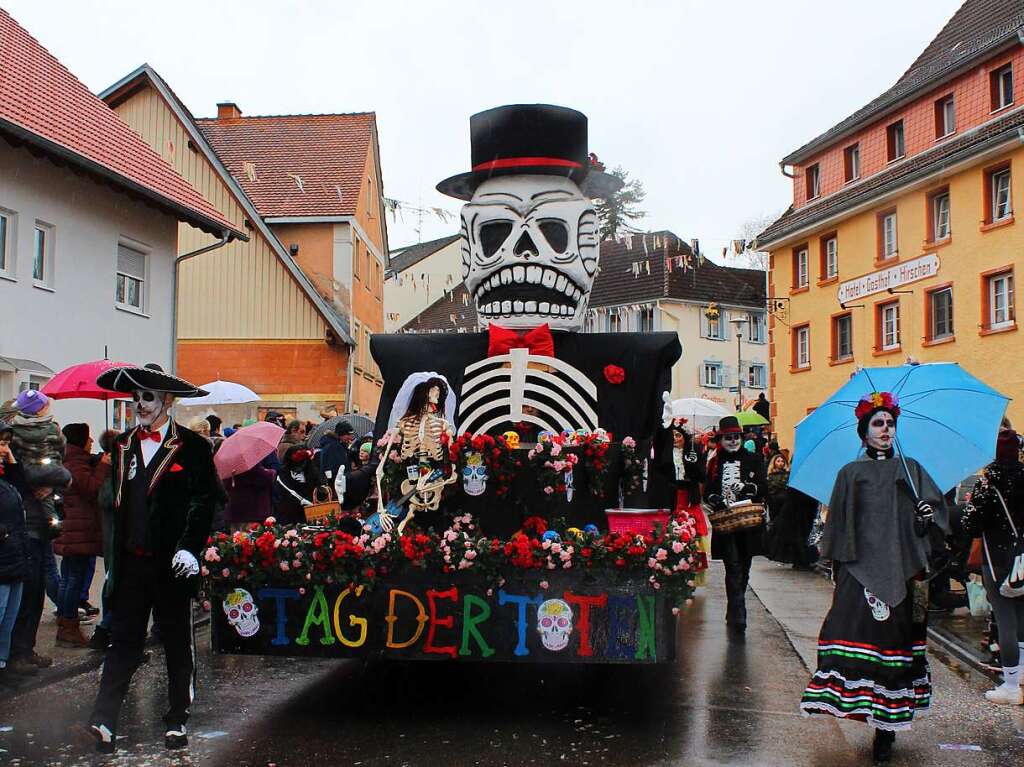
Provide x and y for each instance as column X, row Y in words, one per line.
column 164, row 490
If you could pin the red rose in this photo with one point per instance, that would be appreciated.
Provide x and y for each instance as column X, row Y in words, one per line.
column 613, row 374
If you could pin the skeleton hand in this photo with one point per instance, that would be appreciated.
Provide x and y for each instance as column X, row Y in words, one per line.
column 922, row 518
column 386, row 522
column 184, row 564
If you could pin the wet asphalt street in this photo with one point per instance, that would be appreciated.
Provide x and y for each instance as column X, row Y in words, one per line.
column 722, row 702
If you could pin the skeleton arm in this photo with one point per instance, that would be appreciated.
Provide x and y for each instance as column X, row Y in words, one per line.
column 381, row 510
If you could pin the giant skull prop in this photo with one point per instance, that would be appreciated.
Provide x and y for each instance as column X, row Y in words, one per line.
column 529, row 251
column 474, row 475
column 242, row 612
column 554, row 623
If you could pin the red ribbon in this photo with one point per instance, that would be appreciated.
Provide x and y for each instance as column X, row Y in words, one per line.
column 502, row 340
column 520, row 162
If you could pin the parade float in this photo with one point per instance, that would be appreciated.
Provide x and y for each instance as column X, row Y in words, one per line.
column 519, row 513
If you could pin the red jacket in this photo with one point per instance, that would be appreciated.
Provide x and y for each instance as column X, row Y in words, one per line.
column 81, row 531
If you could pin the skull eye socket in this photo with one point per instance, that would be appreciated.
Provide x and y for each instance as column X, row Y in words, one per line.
column 247, row 607
column 556, row 233
column 562, row 623
column 545, row 622
column 233, row 613
column 493, row 235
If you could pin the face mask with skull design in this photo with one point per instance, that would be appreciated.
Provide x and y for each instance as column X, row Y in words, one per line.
column 529, row 251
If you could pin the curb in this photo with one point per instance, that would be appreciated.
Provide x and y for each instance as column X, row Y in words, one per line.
column 93, row 660
column 952, row 644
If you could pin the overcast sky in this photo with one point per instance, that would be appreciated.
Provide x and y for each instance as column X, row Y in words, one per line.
column 699, row 99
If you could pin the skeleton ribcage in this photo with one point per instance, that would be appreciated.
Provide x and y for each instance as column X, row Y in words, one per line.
column 494, row 391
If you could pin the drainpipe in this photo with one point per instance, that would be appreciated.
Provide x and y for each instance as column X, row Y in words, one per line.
column 225, row 238
column 787, row 174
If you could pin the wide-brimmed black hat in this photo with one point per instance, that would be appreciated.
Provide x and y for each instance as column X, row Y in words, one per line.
column 729, row 425
column 530, row 139
column 152, row 377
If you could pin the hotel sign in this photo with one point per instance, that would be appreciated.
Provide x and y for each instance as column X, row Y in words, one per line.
column 895, row 276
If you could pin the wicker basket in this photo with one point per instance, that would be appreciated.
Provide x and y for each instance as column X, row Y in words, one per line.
column 636, row 521
column 735, row 517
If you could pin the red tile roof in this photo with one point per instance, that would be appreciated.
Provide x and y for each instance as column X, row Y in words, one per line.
column 43, row 104
column 301, row 165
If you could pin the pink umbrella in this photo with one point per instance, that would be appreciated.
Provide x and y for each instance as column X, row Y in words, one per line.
column 246, row 448
column 79, row 382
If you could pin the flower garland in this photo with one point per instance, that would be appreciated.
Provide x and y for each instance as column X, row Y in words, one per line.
column 551, row 461
column 632, row 467
column 289, row 556
column 594, row 449
column 497, row 455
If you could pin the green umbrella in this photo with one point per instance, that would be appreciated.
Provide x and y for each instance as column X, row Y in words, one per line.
column 751, row 418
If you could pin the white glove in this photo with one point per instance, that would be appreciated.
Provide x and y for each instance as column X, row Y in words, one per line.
column 184, row 564
column 666, row 411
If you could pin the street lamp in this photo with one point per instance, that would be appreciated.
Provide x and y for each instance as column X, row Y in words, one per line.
column 738, row 321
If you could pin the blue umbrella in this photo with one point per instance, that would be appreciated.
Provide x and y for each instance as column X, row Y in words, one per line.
column 948, row 423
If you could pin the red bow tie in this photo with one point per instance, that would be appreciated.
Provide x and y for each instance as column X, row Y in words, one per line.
column 153, row 435
column 502, row 340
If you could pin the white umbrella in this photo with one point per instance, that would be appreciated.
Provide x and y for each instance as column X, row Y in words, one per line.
column 701, row 413
column 225, row 393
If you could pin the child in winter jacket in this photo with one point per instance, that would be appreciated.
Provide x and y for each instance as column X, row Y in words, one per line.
column 38, row 446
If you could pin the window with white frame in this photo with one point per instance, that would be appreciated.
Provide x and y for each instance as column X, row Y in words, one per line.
column 831, row 258
column 1002, row 87
column 889, row 244
column 711, row 375
column 714, row 328
column 813, row 181
column 803, row 347
column 757, row 328
column 945, row 117
column 42, row 255
column 756, row 376
column 1000, row 192
column 843, row 338
column 802, row 272
column 940, row 216
column 890, row 320
column 6, row 243
column 940, row 307
column 130, row 283
column 357, row 336
column 645, row 319
column 1000, row 300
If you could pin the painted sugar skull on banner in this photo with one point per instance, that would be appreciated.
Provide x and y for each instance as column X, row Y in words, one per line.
column 529, row 229
column 474, row 475
column 554, row 624
column 242, row 612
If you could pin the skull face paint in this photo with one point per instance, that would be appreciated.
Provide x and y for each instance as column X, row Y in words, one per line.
column 731, row 442
column 242, row 612
column 150, row 405
column 474, row 475
column 529, row 251
column 554, row 624
column 881, row 430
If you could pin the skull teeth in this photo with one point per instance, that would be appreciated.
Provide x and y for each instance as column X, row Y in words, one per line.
column 528, row 274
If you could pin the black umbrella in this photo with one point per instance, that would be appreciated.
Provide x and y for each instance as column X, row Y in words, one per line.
column 360, row 424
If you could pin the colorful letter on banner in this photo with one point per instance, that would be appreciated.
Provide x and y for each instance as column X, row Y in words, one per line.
column 317, row 615
column 617, row 647
column 447, row 622
column 352, row 619
column 583, row 623
column 469, row 625
column 645, row 641
column 521, row 601
column 421, row 618
column 279, row 596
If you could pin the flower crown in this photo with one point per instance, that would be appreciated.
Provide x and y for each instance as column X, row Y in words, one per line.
column 878, row 400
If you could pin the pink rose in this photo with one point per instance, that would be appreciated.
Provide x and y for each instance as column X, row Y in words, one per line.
column 284, row 566
column 470, row 554
column 544, row 585
column 296, row 563
column 556, row 449
column 677, row 547
column 225, row 573
column 661, row 555
column 549, row 490
column 629, row 442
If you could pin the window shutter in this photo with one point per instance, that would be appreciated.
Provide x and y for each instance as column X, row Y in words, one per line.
column 131, row 262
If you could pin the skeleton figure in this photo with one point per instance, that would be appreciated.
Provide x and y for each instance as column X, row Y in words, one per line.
column 529, row 251
column 242, row 612
column 879, row 609
column 554, row 624
column 474, row 475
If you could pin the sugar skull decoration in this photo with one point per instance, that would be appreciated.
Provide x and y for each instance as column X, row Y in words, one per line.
column 474, row 475
column 879, row 609
column 512, row 438
column 529, row 228
column 242, row 612
column 554, row 624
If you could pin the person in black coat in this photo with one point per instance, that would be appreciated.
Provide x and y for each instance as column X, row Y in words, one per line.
column 335, row 457
column 297, row 481
column 164, row 491
column 996, row 514
column 735, row 474
column 13, row 550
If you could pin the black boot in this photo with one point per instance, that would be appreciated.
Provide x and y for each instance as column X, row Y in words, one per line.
column 881, row 750
column 736, row 598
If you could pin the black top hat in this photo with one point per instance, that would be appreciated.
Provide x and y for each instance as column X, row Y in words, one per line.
column 729, row 425
column 152, row 376
column 530, row 139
